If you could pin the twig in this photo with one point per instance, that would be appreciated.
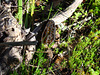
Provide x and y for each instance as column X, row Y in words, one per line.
column 18, row 43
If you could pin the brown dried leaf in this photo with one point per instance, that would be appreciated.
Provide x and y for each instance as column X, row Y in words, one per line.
column 58, row 60
column 50, row 53
column 38, row 2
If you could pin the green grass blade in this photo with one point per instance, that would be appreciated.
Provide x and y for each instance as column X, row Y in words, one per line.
column 20, row 11
column 50, row 11
column 32, row 7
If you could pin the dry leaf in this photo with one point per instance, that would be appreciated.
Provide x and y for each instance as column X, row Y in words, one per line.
column 50, row 53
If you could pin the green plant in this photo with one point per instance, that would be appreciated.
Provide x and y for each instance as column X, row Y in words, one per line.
column 84, row 56
column 20, row 17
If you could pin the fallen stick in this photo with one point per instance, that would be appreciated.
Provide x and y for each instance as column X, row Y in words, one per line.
column 62, row 16
column 21, row 43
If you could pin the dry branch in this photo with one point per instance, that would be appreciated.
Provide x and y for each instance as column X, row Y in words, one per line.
column 62, row 16
column 18, row 43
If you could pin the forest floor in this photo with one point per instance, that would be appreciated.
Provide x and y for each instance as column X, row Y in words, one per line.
column 76, row 47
